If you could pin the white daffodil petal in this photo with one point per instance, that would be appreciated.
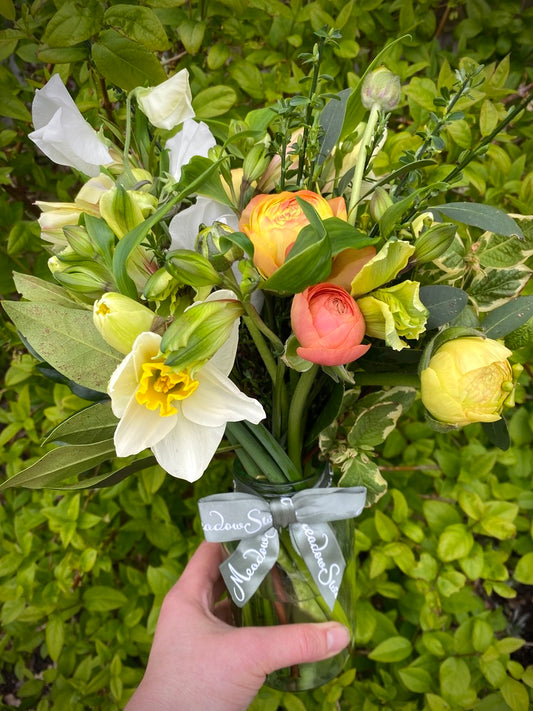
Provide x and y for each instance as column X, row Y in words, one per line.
column 140, row 428
column 217, row 401
column 125, row 378
column 187, row 450
column 145, row 348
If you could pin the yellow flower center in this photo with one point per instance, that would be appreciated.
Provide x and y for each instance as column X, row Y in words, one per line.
column 160, row 386
column 102, row 309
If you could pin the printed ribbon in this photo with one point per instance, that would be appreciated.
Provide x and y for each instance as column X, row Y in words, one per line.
column 255, row 521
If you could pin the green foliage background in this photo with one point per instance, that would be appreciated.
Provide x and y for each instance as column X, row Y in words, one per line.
column 445, row 560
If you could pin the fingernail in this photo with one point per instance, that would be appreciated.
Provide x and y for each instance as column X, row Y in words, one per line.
column 337, row 638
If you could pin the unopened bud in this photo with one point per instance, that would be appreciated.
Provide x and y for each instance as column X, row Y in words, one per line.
column 120, row 320
column 191, row 268
column 124, row 209
column 434, row 242
column 379, row 203
column 215, row 246
column 79, row 241
column 383, row 88
column 89, row 279
column 198, row 333
column 255, row 163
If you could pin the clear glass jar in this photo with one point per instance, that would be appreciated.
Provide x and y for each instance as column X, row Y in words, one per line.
column 289, row 595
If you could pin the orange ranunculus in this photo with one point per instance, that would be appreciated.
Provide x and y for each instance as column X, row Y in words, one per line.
column 328, row 325
column 273, row 222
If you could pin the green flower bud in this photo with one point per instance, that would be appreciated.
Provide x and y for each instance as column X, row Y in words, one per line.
column 87, row 278
column 214, row 245
column 468, row 380
column 79, row 241
column 120, row 320
column 198, row 333
column 380, row 201
column 383, row 88
column 124, row 209
column 255, row 163
column 191, row 268
column 434, row 242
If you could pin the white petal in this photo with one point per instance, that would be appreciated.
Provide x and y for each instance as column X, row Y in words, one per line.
column 184, row 226
column 194, row 139
column 187, row 450
column 125, row 378
column 217, row 400
column 140, row 428
column 168, row 103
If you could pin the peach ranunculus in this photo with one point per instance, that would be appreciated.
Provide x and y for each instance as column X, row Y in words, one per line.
column 328, row 325
column 273, row 222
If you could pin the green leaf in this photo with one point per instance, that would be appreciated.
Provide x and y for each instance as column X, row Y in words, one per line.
column 68, row 340
column 455, row 542
column 55, row 636
column 62, row 55
column 444, row 304
column 392, row 650
column 34, row 289
column 493, row 287
column 101, row 598
column 93, row 424
column 73, row 23
column 524, row 569
column 499, row 251
column 508, row 317
column 331, row 120
column 140, row 24
column 126, row 63
column 214, row 101
column 486, row 217
column 101, row 481
column 515, row 695
column 191, row 34
column 440, row 515
column 7, row 9
column 455, row 682
column 61, row 463
column 415, row 679
column 14, row 108
column 374, row 425
column 362, row 471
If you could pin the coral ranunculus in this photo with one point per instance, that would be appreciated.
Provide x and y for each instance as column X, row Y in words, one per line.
column 273, row 222
column 328, row 325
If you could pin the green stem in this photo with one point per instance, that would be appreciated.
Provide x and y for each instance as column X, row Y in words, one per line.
column 262, row 347
column 361, row 162
column 406, row 379
column 127, row 141
column 279, row 402
column 296, row 415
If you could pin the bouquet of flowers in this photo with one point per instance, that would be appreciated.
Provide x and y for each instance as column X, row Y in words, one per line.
column 264, row 287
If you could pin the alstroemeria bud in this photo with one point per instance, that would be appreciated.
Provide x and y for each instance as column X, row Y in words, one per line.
column 434, row 242
column 380, row 201
column 79, row 240
column 198, row 333
column 214, row 245
column 255, row 163
column 87, row 278
column 169, row 103
column 120, row 320
column 54, row 216
column 191, row 268
column 125, row 209
column 468, row 380
column 383, row 88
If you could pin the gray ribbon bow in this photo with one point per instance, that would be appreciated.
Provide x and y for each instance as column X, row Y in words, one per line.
column 255, row 521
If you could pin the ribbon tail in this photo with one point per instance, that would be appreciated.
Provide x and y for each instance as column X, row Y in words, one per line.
column 322, row 554
column 247, row 566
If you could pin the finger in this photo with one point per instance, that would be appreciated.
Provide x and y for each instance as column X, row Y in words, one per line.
column 272, row 648
column 201, row 579
column 224, row 612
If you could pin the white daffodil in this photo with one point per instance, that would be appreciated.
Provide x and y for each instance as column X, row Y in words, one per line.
column 168, row 104
column 62, row 133
column 180, row 415
column 194, row 139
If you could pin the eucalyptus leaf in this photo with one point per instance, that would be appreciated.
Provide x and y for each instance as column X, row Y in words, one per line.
column 93, row 424
column 486, row 217
column 507, row 318
column 61, row 464
column 68, row 340
column 444, row 303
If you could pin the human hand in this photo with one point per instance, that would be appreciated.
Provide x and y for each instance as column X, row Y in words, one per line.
column 199, row 662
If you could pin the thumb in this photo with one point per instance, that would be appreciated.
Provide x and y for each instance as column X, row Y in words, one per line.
column 285, row 645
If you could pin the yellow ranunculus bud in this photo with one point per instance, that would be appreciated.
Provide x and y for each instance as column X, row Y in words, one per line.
column 468, row 380
column 120, row 320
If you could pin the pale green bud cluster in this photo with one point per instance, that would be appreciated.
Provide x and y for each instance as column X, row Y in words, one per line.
column 383, row 88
